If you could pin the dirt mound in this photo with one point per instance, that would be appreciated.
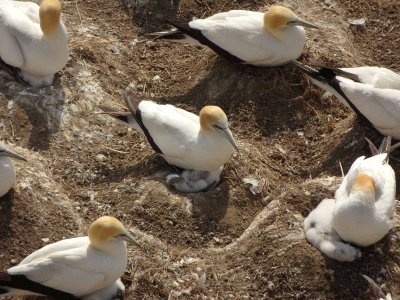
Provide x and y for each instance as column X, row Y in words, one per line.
column 226, row 243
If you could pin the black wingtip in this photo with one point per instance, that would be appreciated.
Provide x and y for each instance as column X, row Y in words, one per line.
column 196, row 34
column 20, row 282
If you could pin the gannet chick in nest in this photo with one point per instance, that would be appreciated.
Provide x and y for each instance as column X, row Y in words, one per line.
column 186, row 141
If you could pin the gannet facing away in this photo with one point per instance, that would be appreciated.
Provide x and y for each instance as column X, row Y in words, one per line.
column 7, row 169
column 362, row 210
column 184, row 140
column 372, row 92
column 33, row 39
column 365, row 200
column 88, row 266
column 272, row 38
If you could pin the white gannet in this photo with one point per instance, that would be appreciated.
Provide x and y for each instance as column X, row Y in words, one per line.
column 372, row 92
column 272, row 38
column 362, row 210
column 88, row 266
column 319, row 233
column 7, row 170
column 183, row 139
column 33, row 39
column 365, row 200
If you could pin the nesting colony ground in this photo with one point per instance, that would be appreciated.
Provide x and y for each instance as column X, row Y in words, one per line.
column 292, row 137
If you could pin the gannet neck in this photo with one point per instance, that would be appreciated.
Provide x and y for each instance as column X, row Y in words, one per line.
column 105, row 232
column 50, row 16
column 211, row 116
column 276, row 19
column 363, row 189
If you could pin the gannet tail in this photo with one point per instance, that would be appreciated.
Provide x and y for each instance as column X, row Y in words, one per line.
column 13, row 285
column 328, row 76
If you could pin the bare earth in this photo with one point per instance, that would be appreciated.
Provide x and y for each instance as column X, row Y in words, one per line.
column 83, row 165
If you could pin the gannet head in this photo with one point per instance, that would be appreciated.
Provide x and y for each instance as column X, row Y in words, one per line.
column 364, row 185
column 278, row 18
column 50, row 15
column 106, row 229
column 213, row 118
column 9, row 153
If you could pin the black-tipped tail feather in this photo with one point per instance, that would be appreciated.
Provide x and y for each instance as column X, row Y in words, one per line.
column 184, row 28
column 328, row 76
column 20, row 282
column 133, row 105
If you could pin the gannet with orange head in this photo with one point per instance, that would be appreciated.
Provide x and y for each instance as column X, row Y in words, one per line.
column 33, row 39
column 365, row 201
column 272, row 38
column 362, row 211
column 7, row 169
column 83, row 267
column 197, row 143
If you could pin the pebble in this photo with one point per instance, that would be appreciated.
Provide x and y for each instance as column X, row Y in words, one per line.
column 45, row 240
column 101, row 157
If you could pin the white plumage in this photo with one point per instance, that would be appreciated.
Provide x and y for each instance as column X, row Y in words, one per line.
column 374, row 92
column 87, row 266
column 319, row 232
column 365, row 201
column 362, row 211
column 7, row 169
column 262, row 39
column 183, row 139
column 33, row 39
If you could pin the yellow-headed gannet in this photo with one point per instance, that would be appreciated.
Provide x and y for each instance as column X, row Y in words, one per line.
column 7, row 170
column 365, row 200
column 194, row 143
column 272, row 38
column 372, row 92
column 362, row 210
column 33, row 39
column 88, row 266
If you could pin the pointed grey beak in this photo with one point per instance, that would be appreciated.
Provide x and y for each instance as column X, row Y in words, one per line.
column 300, row 22
column 9, row 153
column 127, row 237
column 228, row 135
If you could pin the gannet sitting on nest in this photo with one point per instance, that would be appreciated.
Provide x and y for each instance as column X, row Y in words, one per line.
column 362, row 211
column 81, row 267
column 200, row 145
column 7, row 169
column 33, row 39
column 272, row 38
column 372, row 92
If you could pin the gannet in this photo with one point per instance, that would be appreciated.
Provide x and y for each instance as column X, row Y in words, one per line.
column 33, row 39
column 365, row 200
column 372, row 92
column 183, row 139
column 362, row 211
column 7, row 170
column 272, row 38
column 319, row 233
column 88, row 266
column 116, row 289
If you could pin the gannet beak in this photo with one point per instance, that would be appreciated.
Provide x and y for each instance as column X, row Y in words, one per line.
column 301, row 22
column 127, row 237
column 228, row 135
column 12, row 154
